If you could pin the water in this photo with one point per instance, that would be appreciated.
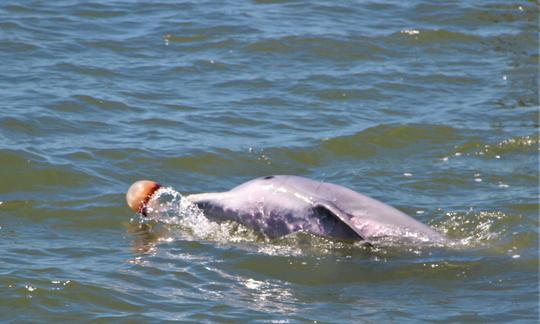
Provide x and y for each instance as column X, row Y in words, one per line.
column 430, row 107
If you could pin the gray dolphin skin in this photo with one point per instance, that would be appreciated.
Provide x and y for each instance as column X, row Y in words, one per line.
column 278, row 205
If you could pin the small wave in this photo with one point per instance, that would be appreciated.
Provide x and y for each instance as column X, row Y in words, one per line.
column 480, row 228
column 17, row 8
column 510, row 146
column 17, row 47
column 365, row 144
column 102, row 104
column 100, row 14
column 26, row 172
column 434, row 36
column 88, row 70
column 116, row 46
column 320, row 47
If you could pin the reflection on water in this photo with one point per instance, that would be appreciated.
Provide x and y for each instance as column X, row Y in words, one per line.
column 266, row 296
column 145, row 237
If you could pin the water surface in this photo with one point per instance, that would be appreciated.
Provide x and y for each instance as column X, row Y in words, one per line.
column 430, row 107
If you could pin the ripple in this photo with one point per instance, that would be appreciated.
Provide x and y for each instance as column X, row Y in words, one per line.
column 512, row 146
column 100, row 14
column 17, row 47
column 25, row 172
column 388, row 136
column 88, row 70
column 437, row 36
column 117, row 46
column 330, row 48
column 429, row 106
column 104, row 104
column 18, row 8
column 247, row 84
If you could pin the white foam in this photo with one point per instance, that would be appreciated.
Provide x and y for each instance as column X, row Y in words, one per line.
column 168, row 206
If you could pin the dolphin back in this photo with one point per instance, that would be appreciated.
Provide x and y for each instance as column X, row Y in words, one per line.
column 366, row 216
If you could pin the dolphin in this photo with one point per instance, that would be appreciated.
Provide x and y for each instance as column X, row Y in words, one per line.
column 277, row 205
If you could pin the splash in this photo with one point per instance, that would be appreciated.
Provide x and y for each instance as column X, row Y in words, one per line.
column 168, row 206
column 474, row 228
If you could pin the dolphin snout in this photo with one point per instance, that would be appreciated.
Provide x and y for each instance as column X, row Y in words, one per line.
column 139, row 193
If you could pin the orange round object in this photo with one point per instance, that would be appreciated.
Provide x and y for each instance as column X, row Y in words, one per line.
column 139, row 193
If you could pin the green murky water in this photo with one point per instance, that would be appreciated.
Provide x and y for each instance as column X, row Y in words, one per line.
column 430, row 107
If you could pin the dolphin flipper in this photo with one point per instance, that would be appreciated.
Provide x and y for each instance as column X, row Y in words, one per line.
column 341, row 216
